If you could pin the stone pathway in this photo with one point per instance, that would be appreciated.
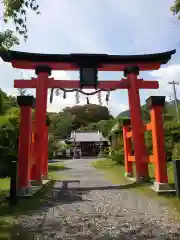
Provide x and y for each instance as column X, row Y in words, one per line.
column 94, row 209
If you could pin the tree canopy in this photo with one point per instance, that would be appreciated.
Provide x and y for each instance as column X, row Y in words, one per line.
column 176, row 8
column 17, row 11
column 78, row 117
column 89, row 113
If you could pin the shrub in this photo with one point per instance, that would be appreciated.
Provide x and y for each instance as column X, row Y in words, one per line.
column 172, row 136
column 9, row 131
column 118, row 156
column 104, row 153
column 148, row 141
column 176, row 151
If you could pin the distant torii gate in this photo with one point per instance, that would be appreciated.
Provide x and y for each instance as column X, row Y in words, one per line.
column 89, row 65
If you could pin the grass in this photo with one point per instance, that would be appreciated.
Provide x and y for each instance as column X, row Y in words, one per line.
column 4, row 187
column 115, row 173
column 111, row 170
column 9, row 215
column 56, row 166
column 54, row 171
column 170, row 172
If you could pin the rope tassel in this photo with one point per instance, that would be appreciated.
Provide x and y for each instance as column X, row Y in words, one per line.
column 64, row 95
column 51, row 95
column 107, row 97
column 87, row 100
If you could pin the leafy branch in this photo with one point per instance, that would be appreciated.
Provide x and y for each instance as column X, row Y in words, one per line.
column 17, row 11
column 8, row 39
column 176, row 8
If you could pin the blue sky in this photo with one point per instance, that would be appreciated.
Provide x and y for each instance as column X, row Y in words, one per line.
column 101, row 26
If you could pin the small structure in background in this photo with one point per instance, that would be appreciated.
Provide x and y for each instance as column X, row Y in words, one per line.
column 116, row 135
column 60, row 149
column 88, row 143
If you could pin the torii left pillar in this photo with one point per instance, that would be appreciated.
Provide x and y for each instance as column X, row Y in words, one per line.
column 26, row 104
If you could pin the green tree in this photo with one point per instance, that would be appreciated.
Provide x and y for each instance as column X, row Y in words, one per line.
column 9, row 132
column 86, row 114
column 1, row 103
column 61, row 124
column 105, row 126
column 6, row 102
column 8, row 39
column 176, row 8
column 17, row 11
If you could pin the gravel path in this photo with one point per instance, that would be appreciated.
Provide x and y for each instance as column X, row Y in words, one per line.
column 94, row 209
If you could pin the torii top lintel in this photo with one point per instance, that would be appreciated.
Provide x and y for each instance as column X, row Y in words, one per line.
column 103, row 62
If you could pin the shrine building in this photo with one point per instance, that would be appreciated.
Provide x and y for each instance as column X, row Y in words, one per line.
column 90, row 142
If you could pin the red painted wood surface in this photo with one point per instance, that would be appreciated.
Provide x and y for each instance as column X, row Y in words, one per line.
column 40, row 121
column 45, row 157
column 158, row 144
column 127, row 151
column 137, row 126
column 158, row 158
column 24, row 146
column 122, row 84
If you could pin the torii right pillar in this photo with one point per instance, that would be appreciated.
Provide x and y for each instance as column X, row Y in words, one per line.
column 156, row 105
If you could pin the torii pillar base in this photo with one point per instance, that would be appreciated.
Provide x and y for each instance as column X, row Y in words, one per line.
column 128, row 175
column 37, row 182
column 23, row 192
column 162, row 187
column 140, row 179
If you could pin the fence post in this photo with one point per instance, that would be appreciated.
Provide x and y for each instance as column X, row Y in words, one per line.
column 176, row 164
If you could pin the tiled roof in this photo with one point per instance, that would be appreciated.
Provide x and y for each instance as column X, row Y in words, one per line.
column 86, row 136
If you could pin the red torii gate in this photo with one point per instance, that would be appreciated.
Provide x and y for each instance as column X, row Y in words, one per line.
column 43, row 64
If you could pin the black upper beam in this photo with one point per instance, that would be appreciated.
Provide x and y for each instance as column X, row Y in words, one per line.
column 162, row 58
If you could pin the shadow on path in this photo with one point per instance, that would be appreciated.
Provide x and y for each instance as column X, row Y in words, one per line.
column 69, row 191
column 90, row 188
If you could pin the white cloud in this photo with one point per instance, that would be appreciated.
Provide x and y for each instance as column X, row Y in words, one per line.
column 115, row 26
column 116, row 108
column 59, row 103
column 66, row 27
column 150, row 24
column 165, row 75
